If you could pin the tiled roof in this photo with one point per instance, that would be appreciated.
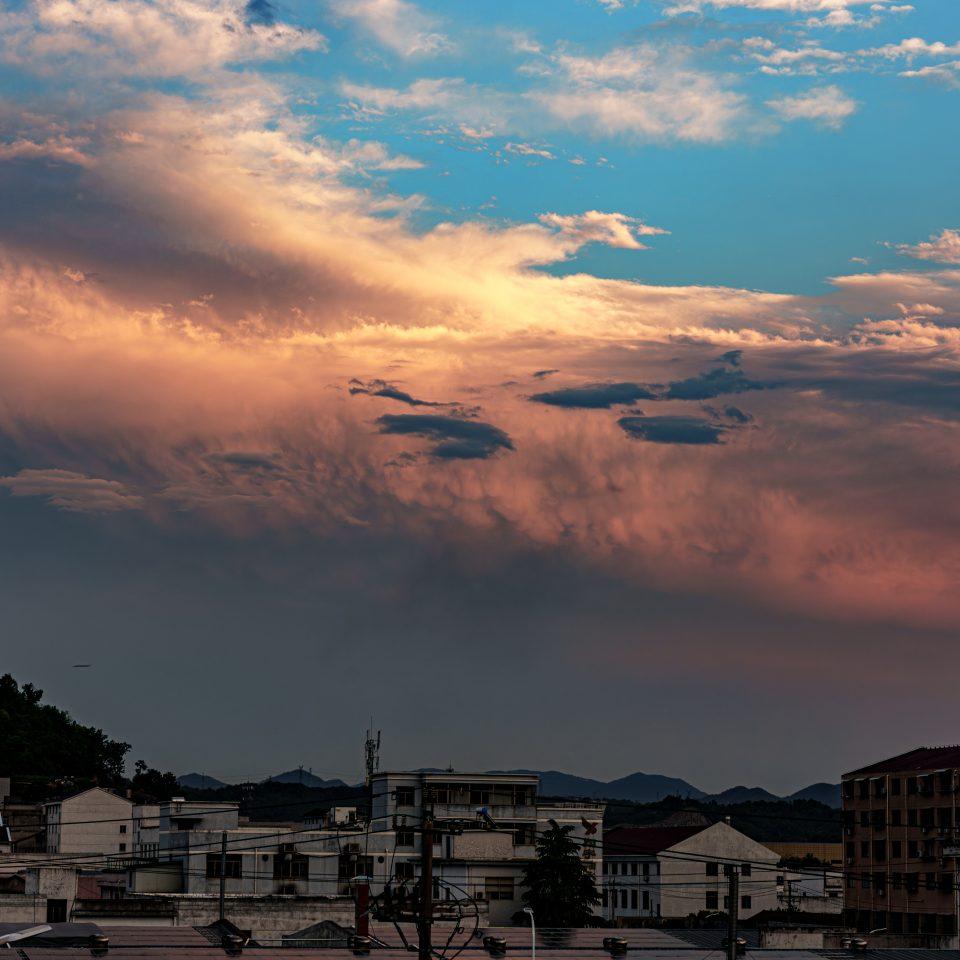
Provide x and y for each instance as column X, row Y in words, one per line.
column 624, row 841
column 914, row 761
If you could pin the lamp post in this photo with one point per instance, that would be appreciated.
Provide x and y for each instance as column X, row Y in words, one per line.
column 533, row 933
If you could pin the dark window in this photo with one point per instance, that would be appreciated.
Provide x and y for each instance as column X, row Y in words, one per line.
column 605, row 898
column 633, row 869
column 405, row 796
column 879, row 850
column 713, row 900
column 896, row 849
column 404, row 838
column 290, row 866
column 633, row 899
column 865, row 848
column 403, row 870
column 895, row 786
column 712, row 870
column 499, row 888
column 481, row 795
column 123, row 848
column 911, row 786
column 746, row 903
column 623, row 899
column 930, row 881
column 912, row 817
column 851, row 850
column 864, row 818
column 944, row 817
column 877, row 819
column 56, row 911
column 646, row 900
column 913, row 849
column 745, row 870
column 863, row 788
column 896, row 817
column 896, row 880
column 234, row 864
column 123, row 828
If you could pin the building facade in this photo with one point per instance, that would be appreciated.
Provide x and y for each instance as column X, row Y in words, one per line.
column 674, row 871
column 901, row 835
column 95, row 821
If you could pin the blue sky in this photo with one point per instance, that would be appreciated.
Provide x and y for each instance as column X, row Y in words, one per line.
column 816, row 194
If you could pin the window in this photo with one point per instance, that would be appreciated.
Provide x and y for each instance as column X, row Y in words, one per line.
column 896, row 849
column 646, row 869
column 404, row 838
column 851, row 850
column 895, row 786
column 930, row 881
column 746, row 903
column 713, row 900
column 712, row 870
column 480, row 795
column 405, row 796
column 633, row 899
column 646, row 900
column 403, row 870
column 123, row 828
column 623, row 899
column 865, row 848
column 863, row 788
column 290, row 866
column 879, row 850
column 234, row 866
column 605, row 867
column 944, row 816
column 912, row 817
column 745, row 869
column 633, row 869
column 498, row 888
column 864, row 818
column 911, row 786
column 123, row 848
column 896, row 817
column 605, row 898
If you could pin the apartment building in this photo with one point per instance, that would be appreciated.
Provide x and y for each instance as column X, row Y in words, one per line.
column 901, row 843
column 487, row 825
column 94, row 821
column 675, row 871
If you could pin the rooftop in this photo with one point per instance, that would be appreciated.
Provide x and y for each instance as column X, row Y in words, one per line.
column 914, row 761
column 645, row 841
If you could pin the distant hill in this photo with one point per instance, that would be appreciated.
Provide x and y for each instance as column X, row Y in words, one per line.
column 742, row 795
column 638, row 787
column 306, row 778
column 200, row 781
column 650, row 787
column 827, row 793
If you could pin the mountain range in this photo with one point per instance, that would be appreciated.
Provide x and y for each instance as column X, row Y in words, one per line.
column 637, row 787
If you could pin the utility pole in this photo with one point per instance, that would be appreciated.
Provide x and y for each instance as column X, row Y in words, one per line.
column 223, row 873
column 363, row 907
column 425, row 924
column 734, row 902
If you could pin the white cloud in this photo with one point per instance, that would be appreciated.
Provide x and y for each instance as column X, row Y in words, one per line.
column 913, row 47
column 948, row 73
column 942, row 248
column 61, row 149
column 613, row 229
column 826, row 106
column 158, row 38
column 397, row 24
column 529, row 150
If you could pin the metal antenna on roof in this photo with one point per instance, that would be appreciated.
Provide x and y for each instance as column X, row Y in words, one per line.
column 371, row 749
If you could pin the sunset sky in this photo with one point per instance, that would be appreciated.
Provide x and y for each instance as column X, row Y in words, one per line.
column 566, row 384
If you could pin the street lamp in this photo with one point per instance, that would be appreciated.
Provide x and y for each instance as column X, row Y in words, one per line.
column 533, row 933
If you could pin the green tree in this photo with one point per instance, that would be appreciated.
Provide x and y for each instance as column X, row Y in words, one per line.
column 43, row 742
column 560, row 889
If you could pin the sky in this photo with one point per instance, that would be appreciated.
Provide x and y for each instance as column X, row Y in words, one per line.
column 564, row 385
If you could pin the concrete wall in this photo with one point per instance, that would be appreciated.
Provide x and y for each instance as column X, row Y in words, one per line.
column 96, row 821
column 684, row 881
column 20, row 908
column 791, row 938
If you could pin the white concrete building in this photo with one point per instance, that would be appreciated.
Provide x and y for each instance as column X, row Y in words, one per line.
column 94, row 821
column 675, row 871
column 146, row 831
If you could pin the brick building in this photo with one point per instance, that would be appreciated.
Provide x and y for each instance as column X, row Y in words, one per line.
column 901, row 833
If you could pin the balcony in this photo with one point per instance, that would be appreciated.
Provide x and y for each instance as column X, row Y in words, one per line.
column 498, row 811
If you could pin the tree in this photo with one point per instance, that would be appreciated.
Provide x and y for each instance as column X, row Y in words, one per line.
column 559, row 887
column 149, row 784
column 41, row 741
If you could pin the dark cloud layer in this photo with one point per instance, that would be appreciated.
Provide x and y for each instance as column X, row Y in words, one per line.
column 690, row 430
column 455, row 439
column 595, row 396
column 380, row 388
column 714, row 383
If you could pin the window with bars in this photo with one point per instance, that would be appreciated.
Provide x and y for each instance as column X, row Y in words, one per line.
column 498, row 888
column 234, row 866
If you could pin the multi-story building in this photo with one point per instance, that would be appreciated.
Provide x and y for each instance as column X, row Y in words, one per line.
column 94, row 821
column 146, row 831
column 902, row 842
column 675, row 871
column 487, row 825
